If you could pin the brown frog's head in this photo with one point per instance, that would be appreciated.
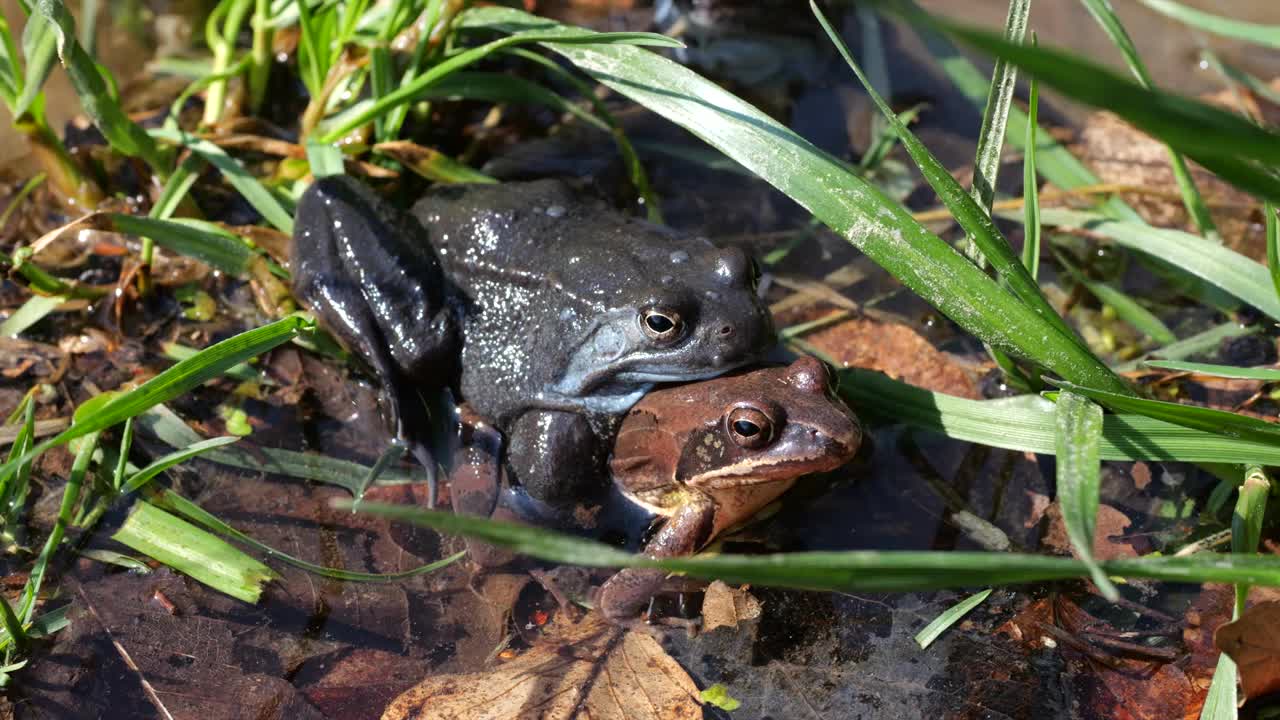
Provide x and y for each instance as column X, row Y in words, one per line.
column 742, row 440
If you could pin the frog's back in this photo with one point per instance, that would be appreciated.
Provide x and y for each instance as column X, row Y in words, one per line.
column 549, row 235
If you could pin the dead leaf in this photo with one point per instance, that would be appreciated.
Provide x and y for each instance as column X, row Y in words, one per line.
column 896, row 350
column 723, row 606
column 1253, row 642
column 1108, row 538
column 585, row 669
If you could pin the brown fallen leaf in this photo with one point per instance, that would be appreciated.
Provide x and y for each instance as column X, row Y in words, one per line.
column 584, row 669
column 1253, row 642
column 728, row 607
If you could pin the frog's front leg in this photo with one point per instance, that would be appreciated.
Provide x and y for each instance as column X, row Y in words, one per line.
column 556, row 458
column 366, row 271
column 624, row 595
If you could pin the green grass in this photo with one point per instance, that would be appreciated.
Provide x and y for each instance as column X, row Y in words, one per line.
column 365, row 98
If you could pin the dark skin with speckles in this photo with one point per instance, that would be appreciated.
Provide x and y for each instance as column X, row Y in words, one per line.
column 549, row 314
column 690, row 461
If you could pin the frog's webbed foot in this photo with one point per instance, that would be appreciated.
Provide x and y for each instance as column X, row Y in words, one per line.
column 366, row 271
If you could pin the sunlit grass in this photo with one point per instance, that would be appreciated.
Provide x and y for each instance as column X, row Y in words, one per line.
column 361, row 99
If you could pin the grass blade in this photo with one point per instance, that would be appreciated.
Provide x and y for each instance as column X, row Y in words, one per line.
column 325, row 160
column 1220, row 703
column 66, row 510
column 1268, row 35
column 1266, row 374
column 143, row 476
column 195, row 513
column 39, row 48
column 995, row 117
column 853, row 571
column 967, row 211
column 410, row 91
column 1209, row 261
column 96, row 98
column 169, row 429
column 199, row 239
column 1197, row 129
column 1219, row 422
column 1031, row 190
column 1026, row 424
column 1079, row 433
column 175, row 381
column 943, row 622
column 862, row 214
column 194, row 552
column 32, row 311
column 1191, row 198
column 1202, row 342
column 1273, row 244
column 254, row 192
column 1127, row 309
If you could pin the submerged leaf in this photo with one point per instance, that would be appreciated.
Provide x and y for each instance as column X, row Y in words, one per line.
column 192, row 551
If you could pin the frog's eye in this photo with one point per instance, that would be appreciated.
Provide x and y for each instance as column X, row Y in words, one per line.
column 661, row 324
column 750, row 428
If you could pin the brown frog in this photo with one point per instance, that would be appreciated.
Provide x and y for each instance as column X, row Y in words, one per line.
column 688, row 462
column 697, row 459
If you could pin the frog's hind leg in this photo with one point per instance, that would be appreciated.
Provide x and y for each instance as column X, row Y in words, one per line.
column 364, row 268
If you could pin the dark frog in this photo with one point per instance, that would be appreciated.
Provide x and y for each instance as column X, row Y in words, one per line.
column 551, row 314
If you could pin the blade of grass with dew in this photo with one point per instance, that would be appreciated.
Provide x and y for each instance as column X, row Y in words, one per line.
column 171, row 383
column 1127, row 308
column 950, row 617
column 1079, row 433
column 144, row 476
column 1257, row 33
column 193, row 552
column 167, row 427
column 1202, row 342
column 1227, row 144
column 197, row 514
column 96, row 99
column 972, row 217
column 1220, row 422
column 409, row 92
column 995, row 117
column 852, row 207
column 1266, row 374
column 1215, row 264
column 254, row 192
column 1026, row 424
column 851, row 571
column 1191, row 198
column 31, row 312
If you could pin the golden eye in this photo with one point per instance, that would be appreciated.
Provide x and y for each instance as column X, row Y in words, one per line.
column 661, row 325
column 749, row 427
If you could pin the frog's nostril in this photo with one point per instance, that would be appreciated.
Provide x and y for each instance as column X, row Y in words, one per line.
column 726, row 330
